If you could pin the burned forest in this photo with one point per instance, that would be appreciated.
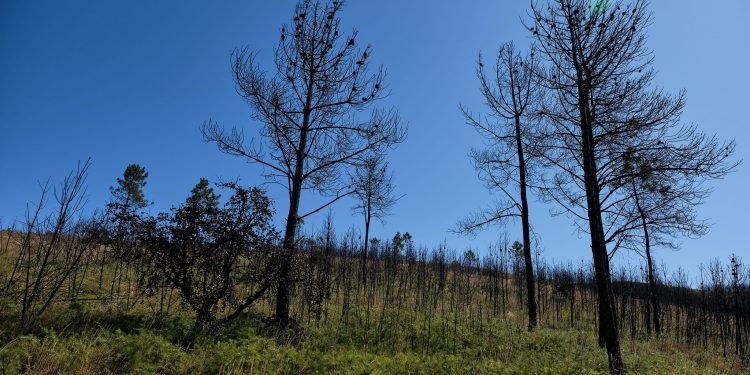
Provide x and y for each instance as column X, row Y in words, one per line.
column 375, row 188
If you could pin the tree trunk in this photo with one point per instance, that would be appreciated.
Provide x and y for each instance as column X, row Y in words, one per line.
column 608, row 332
column 652, row 283
column 285, row 260
column 364, row 253
column 531, row 297
column 287, row 251
column 292, row 219
column 652, row 296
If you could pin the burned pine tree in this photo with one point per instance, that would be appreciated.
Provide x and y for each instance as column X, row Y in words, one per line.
column 664, row 182
column 600, row 105
column 509, row 91
column 373, row 190
column 316, row 115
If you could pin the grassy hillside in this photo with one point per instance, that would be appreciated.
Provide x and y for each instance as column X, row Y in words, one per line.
column 393, row 327
column 97, row 340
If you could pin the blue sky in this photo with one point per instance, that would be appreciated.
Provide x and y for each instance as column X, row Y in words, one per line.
column 131, row 82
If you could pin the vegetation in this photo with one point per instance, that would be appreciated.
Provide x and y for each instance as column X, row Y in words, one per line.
column 206, row 251
column 213, row 287
column 421, row 311
column 510, row 92
column 599, row 110
column 310, row 114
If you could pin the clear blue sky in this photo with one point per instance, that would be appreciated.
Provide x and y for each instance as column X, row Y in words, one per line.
column 131, row 82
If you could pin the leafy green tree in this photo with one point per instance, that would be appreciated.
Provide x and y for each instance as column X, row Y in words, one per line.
column 398, row 243
column 129, row 189
column 202, row 196
column 123, row 219
column 518, row 249
column 126, row 200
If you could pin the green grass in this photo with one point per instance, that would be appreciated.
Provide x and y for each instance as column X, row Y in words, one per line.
column 99, row 340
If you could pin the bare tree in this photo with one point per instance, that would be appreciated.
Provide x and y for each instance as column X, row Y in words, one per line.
column 7, row 278
column 601, row 106
column 52, row 246
column 315, row 113
column 509, row 92
column 373, row 190
column 661, row 201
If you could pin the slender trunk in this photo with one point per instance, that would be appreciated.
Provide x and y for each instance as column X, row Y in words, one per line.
column 202, row 320
column 652, row 307
column 653, row 298
column 103, row 250
column 739, row 349
column 608, row 331
column 364, row 252
column 531, row 297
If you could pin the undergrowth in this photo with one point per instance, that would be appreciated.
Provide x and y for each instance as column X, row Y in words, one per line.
column 100, row 340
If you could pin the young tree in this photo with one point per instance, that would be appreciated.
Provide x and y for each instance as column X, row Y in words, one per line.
column 399, row 243
column 126, row 199
column 373, row 189
column 123, row 219
column 509, row 92
column 129, row 190
column 209, row 252
column 316, row 115
column 601, row 105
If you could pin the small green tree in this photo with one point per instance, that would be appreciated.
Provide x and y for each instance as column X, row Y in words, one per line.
column 122, row 223
column 202, row 196
column 126, row 200
column 517, row 248
column 129, row 189
column 398, row 243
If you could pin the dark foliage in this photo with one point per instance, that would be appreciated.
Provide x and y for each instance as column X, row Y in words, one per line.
column 208, row 252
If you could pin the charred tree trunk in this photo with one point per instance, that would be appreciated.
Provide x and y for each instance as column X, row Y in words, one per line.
column 608, row 332
column 653, row 301
column 653, row 297
column 529, row 267
column 290, row 234
column 368, row 217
